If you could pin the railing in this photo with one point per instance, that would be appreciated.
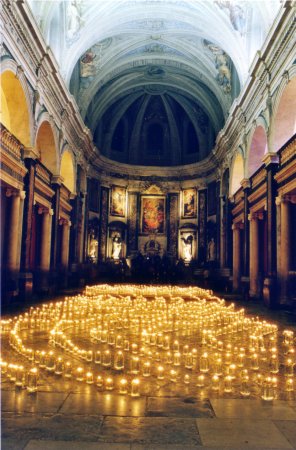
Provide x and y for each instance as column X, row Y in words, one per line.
column 10, row 143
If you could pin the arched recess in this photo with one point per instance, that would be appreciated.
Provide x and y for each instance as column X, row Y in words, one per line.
column 237, row 173
column 67, row 170
column 284, row 123
column 15, row 107
column 257, row 150
column 46, row 145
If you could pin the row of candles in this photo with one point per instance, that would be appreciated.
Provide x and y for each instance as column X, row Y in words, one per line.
column 245, row 385
column 141, row 337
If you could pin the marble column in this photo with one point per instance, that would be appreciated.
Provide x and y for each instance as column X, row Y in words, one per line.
column 254, row 255
column 45, row 239
column 236, row 263
column 65, row 243
column 13, row 230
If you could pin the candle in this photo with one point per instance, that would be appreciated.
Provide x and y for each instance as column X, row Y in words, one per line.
column 32, row 380
column 135, row 387
column 215, row 383
column 68, row 370
column 146, row 369
column 119, row 361
column 160, row 372
column 89, row 378
column 123, row 386
column 109, row 384
column 79, row 374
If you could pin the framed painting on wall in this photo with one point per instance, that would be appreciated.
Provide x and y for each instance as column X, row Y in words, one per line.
column 152, row 214
column 189, row 203
column 118, row 201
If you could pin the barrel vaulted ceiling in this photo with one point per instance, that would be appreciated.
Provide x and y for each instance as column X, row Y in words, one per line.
column 154, row 79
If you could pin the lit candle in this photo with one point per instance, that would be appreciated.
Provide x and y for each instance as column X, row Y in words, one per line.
column 89, row 378
column 123, row 386
column 68, row 370
column 228, row 384
column 32, row 380
column 204, row 363
column 215, row 383
column 135, row 387
column 109, row 384
column 119, row 361
column 146, row 369
column 160, row 372
column 59, row 366
column 200, row 381
column 173, row 375
column 79, row 374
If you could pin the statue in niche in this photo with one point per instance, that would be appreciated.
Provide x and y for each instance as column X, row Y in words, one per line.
column 116, row 246
column 222, row 63
column 187, row 247
column 87, row 66
column 93, row 248
column 211, row 251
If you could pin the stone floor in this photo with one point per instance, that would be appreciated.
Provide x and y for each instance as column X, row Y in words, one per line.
column 81, row 418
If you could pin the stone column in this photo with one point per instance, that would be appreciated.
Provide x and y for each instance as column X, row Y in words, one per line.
column 254, row 255
column 13, row 231
column 236, row 263
column 284, row 246
column 45, row 239
column 65, row 242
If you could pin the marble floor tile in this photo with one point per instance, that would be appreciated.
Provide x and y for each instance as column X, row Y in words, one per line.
column 104, row 404
column 288, row 428
column 13, row 444
column 56, row 427
column 41, row 402
column 178, row 407
column 241, row 434
column 150, row 430
column 252, row 409
column 78, row 445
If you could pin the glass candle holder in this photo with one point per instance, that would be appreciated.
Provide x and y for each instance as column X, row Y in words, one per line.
column 289, row 385
column 189, row 361
column 119, row 341
column 173, row 376
column 245, row 386
column 126, row 345
column 59, row 366
column 289, row 367
column 89, row 356
column 99, row 381
column 68, row 370
column 146, row 369
column 106, row 358
column 204, row 363
column 79, row 374
column 135, row 387
column 98, row 357
column 228, row 384
column 32, row 381
column 186, row 378
column 135, row 365
column 89, row 378
column 177, row 359
column 160, row 373
column 200, row 381
column 20, row 377
column 50, row 362
column 123, row 386
column 119, row 361
column 109, row 384
column 267, row 389
column 215, row 383
column 42, row 361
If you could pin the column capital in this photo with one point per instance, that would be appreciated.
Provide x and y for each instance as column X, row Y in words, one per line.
column 66, row 222
column 42, row 210
column 245, row 183
column 258, row 215
column 22, row 195
column 57, row 179
column 237, row 226
column 11, row 192
column 51, row 212
column 288, row 198
column 31, row 153
column 270, row 158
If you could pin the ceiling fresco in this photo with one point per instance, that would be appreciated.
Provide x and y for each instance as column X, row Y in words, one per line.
column 167, row 67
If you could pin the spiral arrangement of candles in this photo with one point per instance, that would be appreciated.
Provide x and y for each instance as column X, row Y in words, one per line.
column 130, row 339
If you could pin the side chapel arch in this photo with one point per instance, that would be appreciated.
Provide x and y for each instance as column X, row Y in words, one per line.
column 236, row 173
column 15, row 104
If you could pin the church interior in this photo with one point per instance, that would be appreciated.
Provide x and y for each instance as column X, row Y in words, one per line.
column 148, row 220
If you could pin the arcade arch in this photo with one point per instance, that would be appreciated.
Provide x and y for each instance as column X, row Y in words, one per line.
column 67, row 170
column 45, row 144
column 237, row 173
column 257, row 150
column 284, row 123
